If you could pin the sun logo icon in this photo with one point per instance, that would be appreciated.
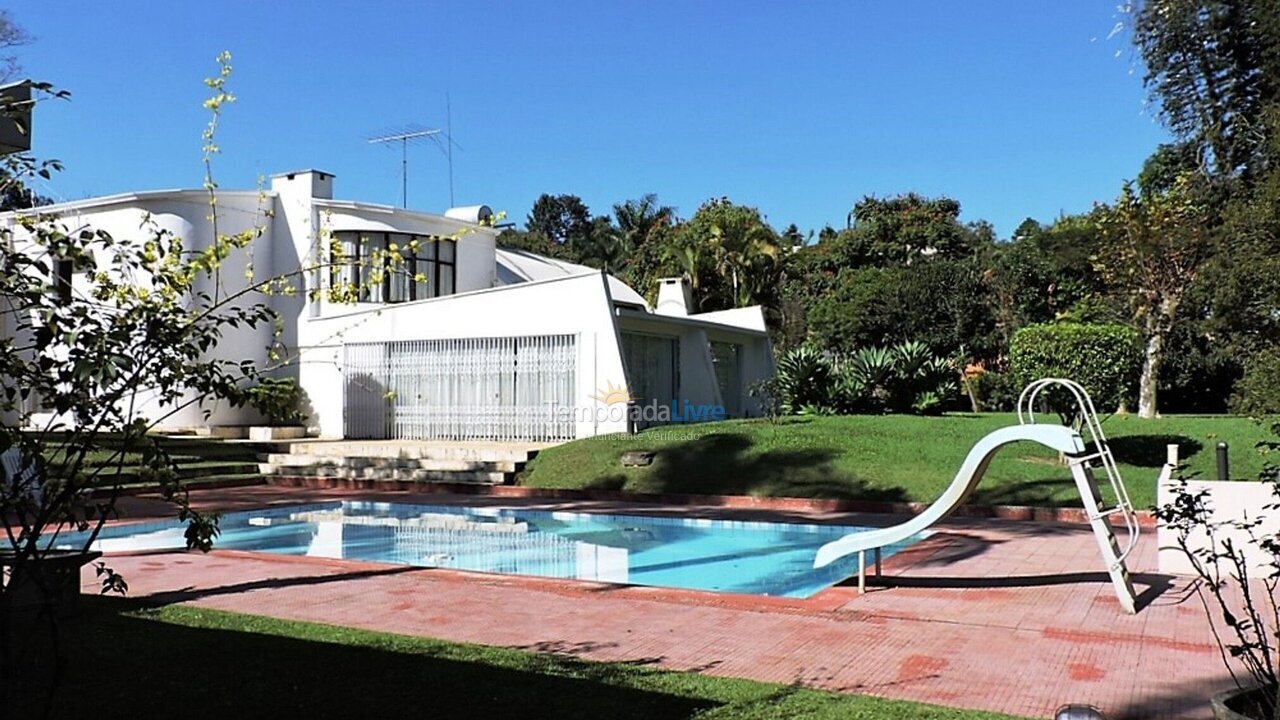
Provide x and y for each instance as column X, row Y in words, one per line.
column 611, row 395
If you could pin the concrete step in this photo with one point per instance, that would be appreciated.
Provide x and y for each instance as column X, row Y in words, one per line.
column 448, row 465
column 442, row 450
column 389, row 474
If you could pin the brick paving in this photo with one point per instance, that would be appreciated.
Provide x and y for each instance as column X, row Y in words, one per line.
column 1017, row 617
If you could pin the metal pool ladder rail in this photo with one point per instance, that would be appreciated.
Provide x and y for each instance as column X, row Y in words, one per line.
column 1082, row 472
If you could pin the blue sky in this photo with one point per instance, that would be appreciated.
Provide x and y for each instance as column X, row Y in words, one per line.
column 1014, row 109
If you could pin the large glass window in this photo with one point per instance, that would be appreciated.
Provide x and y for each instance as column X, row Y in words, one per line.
column 400, row 279
column 653, row 369
column 424, row 270
column 344, row 267
column 362, row 261
column 446, row 267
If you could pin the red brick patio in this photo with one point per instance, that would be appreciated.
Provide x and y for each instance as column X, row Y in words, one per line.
column 1011, row 616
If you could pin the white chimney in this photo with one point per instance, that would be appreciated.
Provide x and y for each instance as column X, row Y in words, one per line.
column 307, row 183
column 675, row 297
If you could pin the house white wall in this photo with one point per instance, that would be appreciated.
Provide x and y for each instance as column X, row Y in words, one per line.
column 577, row 306
column 183, row 214
column 307, row 215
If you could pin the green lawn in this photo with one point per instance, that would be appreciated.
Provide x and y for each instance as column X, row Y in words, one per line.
column 186, row 662
column 892, row 458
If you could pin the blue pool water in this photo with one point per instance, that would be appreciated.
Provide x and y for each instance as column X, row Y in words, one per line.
column 759, row 558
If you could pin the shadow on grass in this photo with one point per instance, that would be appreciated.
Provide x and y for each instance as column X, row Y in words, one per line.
column 1048, row 492
column 726, row 464
column 124, row 662
column 1150, row 451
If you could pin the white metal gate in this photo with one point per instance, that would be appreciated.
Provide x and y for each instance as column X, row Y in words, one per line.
column 507, row 388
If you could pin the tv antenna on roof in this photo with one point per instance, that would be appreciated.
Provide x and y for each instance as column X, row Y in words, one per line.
column 404, row 136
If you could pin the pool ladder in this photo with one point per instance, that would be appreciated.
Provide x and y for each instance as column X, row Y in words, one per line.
column 1082, row 467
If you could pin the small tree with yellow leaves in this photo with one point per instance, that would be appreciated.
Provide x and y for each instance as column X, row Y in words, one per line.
column 142, row 328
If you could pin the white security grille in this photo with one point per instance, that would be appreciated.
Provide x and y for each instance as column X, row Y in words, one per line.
column 512, row 388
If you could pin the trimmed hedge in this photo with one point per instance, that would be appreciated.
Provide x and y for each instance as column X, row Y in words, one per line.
column 1105, row 359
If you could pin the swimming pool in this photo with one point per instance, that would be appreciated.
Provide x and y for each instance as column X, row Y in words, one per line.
column 759, row 558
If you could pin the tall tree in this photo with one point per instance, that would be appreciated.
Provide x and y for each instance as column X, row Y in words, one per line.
column 1214, row 67
column 559, row 218
column 730, row 254
column 602, row 246
column 907, row 228
column 1156, row 246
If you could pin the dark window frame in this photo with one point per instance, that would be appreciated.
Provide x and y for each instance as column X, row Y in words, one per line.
column 63, row 274
column 357, row 264
column 452, row 265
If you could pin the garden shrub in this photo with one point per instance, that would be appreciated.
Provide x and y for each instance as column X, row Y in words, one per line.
column 279, row 400
column 996, row 390
column 1105, row 359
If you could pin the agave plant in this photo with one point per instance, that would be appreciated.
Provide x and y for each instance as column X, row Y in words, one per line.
column 904, row 378
column 817, row 410
column 804, row 379
column 914, row 359
column 876, row 367
column 849, row 390
column 927, row 403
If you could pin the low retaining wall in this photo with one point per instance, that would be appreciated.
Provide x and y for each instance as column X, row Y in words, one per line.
column 1004, row 512
column 1229, row 500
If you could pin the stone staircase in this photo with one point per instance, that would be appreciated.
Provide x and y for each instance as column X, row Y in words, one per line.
column 399, row 460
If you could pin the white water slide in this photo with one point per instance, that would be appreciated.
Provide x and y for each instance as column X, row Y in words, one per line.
column 1081, row 458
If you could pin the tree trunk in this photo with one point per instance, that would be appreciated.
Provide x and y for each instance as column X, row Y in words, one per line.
column 967, row 383
column 1152, row 358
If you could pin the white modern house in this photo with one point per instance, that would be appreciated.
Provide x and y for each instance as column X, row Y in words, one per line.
column 475, row 342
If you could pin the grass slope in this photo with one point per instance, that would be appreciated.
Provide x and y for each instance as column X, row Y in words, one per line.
column 179, row 661
column 891, row 458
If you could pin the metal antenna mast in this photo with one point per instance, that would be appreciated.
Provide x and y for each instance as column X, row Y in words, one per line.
column 404, row 136
column 448, row 136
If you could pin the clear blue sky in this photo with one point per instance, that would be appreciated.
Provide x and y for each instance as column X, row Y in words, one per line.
column 1014, row 109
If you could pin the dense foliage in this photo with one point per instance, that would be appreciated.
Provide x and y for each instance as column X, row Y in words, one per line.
column 1258, row 392
column 279, row 400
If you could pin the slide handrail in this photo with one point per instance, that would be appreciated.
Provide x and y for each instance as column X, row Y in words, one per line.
column 1090, row 422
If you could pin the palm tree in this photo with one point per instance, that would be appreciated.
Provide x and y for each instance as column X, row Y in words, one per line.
column 637, row 219
column 743, row 254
